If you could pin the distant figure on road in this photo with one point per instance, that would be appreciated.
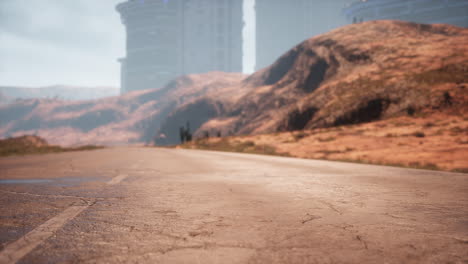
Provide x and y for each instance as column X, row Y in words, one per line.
column 185, row 135
column 161, row 138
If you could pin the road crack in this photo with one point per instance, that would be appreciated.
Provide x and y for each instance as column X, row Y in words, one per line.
column 48, row 195
column 331, row 206
column 308, row 217
column 358, row 237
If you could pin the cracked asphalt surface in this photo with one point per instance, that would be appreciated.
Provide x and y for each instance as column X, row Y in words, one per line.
column 148, row 205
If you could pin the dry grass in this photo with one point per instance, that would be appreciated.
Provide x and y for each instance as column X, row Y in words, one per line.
column 455, row 73
column 26, row 145
column 404, row 142
column 230, row 145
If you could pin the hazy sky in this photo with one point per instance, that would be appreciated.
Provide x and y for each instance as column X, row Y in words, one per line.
column 249, row 36
column 74, row 42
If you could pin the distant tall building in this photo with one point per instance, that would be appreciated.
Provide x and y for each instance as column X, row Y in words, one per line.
column 453, row 12
column 282, row 24
column 213, row 34
column 154, row 43
column 169, row 38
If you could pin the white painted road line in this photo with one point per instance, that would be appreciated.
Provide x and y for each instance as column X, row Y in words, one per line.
column 117, row 179
column 18, row 249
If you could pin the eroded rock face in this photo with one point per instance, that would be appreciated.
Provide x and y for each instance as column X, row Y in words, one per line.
column 356, row 74
column 195, row 114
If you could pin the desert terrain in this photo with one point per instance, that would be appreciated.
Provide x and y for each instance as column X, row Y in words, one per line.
column 383, row 92
column 380, row 93
column 434, row 143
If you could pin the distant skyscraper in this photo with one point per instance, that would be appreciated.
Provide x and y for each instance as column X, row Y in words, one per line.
column 154, row 43
column 453, row 12
column 169, row 38
column 213, row 34
column 282, row 24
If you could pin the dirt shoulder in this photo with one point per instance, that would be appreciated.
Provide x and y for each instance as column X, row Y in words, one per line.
column 26, row 145
column 438, row 142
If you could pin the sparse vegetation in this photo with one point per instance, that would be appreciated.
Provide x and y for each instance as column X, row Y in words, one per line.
column 454, row 73
column 412, row 165
column 330, row 152
column 26, row 145
column 419, row 134
column 410, row 111
column 327, row 139
column 185, row 134
column 402, row 124
column 461, row 170
column 396, row 142
column 206, row 134
column 429, row 166
column 299, row 135
column 439, row 132
column 429, row 124
column 230, row 145
column 458, row 129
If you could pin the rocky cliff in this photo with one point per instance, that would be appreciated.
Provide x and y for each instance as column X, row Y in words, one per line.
column 356, row 74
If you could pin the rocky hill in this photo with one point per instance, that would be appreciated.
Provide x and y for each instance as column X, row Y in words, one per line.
column 129, row 119
column 356, row 74
column 4, row 99
column 63, row 92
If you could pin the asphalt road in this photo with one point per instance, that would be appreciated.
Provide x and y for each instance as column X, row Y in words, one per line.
column 146, row 205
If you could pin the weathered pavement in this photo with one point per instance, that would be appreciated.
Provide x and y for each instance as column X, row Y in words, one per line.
column 146, row 205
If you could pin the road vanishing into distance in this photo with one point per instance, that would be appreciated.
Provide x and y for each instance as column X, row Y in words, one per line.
column 150, row 205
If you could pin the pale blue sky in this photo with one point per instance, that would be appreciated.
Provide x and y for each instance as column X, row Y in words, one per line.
column 249, row 36
column 46, row 42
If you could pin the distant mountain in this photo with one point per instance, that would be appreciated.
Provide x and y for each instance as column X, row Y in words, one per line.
column 355, row 74
column 59, row 91
column 4, row 99
column 132, row 118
